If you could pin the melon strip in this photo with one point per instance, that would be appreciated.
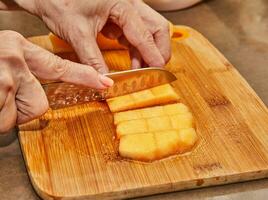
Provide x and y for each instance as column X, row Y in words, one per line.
column 162, row 123
column 157, row 145
column 154, row 96
column 157, row 111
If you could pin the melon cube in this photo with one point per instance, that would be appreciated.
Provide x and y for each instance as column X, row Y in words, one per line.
column 165, row 94
column 159, row 123
column 131, row 127
column 138, row 147
column 182, row 121
column 167, row 143
column 178, row 108
column 143, row 98
column 188, row 138
column 120, row 103
column 152, row 112
column 127, row 116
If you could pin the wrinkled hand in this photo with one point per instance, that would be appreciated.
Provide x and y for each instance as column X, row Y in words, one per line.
column 21, row 96
column 131, row 21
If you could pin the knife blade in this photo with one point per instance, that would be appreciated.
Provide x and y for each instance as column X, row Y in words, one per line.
column 62, row 94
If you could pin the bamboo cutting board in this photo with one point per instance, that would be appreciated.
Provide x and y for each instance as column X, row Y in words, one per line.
column 75, row 155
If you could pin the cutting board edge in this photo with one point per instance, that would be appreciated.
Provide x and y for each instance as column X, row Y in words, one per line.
column 158, row 189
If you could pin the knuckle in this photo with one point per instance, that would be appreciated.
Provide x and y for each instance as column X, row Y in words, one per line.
column 12, row 34
column 165, row 26
column 77, row 33
column 121, row 5
column 60, row 67
column 146, row 39
column 11, row 52
column 120, row 11
column 13, row 58
column 94, row 62
column 7, row 83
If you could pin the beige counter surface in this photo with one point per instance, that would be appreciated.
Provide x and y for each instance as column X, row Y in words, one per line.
column 238, row 28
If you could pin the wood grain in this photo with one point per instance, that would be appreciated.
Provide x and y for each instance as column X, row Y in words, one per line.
column 76, row 156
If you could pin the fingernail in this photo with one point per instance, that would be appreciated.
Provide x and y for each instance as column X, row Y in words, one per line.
column 106, row 80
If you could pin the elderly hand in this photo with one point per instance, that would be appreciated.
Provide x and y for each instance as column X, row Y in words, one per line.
column 131, row 21
column 21, row 95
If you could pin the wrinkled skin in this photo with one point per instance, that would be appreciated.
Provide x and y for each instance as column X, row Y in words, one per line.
column 130, row 21
column 21, row 96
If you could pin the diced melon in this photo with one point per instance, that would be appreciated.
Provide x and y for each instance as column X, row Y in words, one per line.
column 158, row 123
column 138, row 147
column 157, row 111
column 182, row 121
column 143, row 98
column 173, row 122
column 188, row 138
column 138, row 114
column 164, row 94
column 178, row 108
column 120, row 103
column 131, row 127
column 127, row 116
column 155, row 96
column 143, row 125
column 167, row 143
column 155, row 132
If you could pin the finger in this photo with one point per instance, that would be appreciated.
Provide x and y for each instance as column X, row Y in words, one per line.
column 8, row 114
column 47, row 66
column 125, row 16
column 158, row 26
column 162, row 40
column 86, row 47
column 31, row 99
column 8, row 111
column 135, row 57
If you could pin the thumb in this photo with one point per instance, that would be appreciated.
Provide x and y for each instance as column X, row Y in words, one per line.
column 46, row 65
column 86, row 47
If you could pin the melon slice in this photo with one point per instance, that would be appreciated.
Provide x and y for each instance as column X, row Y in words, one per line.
column 157, row 111
column 167, row 143
column 138, row 147
column 162, row 123
column 188, row 138
column 151, row 146
column 182, row 121
column 154, row 96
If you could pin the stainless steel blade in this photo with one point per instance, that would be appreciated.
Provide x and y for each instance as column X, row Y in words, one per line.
column 62, row 94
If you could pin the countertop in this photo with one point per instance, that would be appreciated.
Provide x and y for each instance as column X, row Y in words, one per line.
column 238, row 28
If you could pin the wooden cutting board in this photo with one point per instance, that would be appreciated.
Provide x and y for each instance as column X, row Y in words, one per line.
column 76, row 156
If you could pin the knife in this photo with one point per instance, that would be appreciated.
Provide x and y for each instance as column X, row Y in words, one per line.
column 62, row 94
